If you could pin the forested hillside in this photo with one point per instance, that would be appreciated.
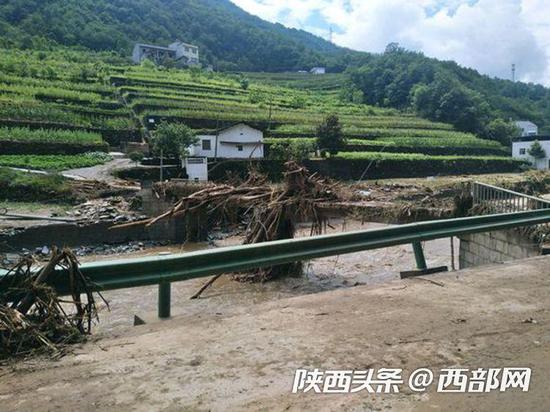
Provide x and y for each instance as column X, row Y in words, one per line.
column 446, row 92
column 233, row 40
column 229, row 38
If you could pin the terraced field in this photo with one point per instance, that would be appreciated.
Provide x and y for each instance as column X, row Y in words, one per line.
column 290, row 114
column 53, row 106
column 58, row 104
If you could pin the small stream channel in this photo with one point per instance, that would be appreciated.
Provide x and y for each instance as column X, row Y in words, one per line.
column 228, row 296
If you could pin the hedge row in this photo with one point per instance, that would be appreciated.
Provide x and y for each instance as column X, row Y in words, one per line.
column 430, row 150
column 37, row 148
column 112, row 136
column 347, row 169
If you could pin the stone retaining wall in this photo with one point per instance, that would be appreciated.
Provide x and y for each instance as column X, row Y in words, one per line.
column 495, row 247
column 73, row 235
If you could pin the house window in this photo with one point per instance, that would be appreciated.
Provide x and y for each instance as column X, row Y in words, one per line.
column 240, row 147
column 522, row 151
column 206, row 145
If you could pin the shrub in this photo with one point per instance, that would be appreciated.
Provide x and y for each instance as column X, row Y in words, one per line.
column 136, row 156
column 329, row 135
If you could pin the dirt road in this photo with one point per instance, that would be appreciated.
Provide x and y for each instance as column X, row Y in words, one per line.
column 245, row 360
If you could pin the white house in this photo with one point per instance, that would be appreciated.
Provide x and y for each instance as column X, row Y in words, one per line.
column 527, row 128
column 318, row 70
column 521, row 146
column 183, row 53
column 239, row 141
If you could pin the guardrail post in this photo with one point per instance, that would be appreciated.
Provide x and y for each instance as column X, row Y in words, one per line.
column 419, row 256
column 164, row 300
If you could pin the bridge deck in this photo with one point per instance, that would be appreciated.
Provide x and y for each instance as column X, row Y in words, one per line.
column 474, row 318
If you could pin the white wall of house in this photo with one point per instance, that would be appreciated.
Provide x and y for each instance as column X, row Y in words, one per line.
column 196, row 168
column 527, row 128
column 237, row 142
column 318, row 70
column 189, row 51
column 520, row 150
column 154, row 53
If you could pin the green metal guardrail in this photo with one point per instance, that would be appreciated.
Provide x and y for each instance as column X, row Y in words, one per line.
column 162, row 270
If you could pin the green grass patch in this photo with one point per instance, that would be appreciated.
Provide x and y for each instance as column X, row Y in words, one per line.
column 16, row 186
column 54, row 162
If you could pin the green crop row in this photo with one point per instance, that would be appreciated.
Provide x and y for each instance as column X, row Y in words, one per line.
column 419, row 128
column 47, row 113
column 411, row 156
column 60, row 84
column 53, row 162
column 299, row 117
column 53, row 136
column 425, row 146
column 53, row 93
column 154, row 92
column 172, row 84
column 435, row 141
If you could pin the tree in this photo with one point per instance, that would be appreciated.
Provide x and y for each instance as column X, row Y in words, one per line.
column 329, row 135
column 447, row 100
column 536, row 150
column 501, row 131
column 136, row 156
column 244, row 83
column 286, row 149
column 173, row 139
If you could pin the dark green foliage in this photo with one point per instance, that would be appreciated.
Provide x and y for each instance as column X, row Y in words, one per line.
column 329, row 135
column 447, row 92
column 536, row 150
column 501, row 131
column 244, row 83
column 136, row 156
column 447, row 101
column 228, row 37
column 287, row 149
column 173, row 139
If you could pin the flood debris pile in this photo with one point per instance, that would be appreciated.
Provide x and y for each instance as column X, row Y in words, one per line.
column 271, row 211
column 115, row 209
column 33, row 318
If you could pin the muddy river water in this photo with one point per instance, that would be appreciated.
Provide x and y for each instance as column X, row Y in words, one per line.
column 228, row 296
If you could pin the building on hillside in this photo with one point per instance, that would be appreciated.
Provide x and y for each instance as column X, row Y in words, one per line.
column 527, row 128
column 182, row 53
column 239, row 141
column 318, row 70
column 521, row 146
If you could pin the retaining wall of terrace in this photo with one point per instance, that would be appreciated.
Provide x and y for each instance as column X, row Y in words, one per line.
column 30, row 148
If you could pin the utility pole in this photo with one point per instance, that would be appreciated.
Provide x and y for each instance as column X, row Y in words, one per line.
column 217, row 137
column 330, row 34
column 161, row 165
column 514, row 72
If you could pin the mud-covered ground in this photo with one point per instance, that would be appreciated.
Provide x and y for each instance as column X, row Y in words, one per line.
column 362, row 268
column 245, row 357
